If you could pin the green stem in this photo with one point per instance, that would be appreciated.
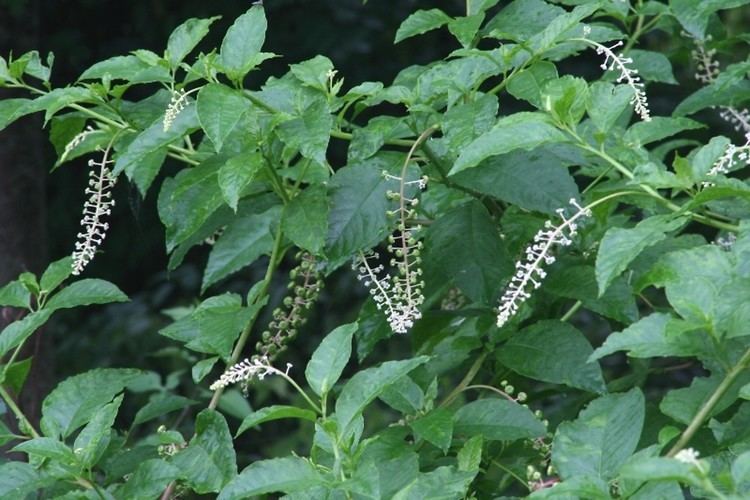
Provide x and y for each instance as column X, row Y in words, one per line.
column 338, row 134
column 574, row 309
column 276, row 254
column 473, row 370
column 490, row 388
column 10, row 362
column 510, row 472
column 708, row 407
column 301, row 391
column 17, row 411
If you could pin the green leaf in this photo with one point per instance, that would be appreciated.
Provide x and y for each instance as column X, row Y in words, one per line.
column 553, row 351
column 185, row 37
column 129, row 68
column 683, row 404
column 463, row 245
column 240, row 49
column 46, row 447
column 660, row 469
column 313, row 72
column 658, row 128
column 305, row 219
column 56, row 273
column 565, row 98
column 404, row 395
column 14, row 294
column 92, row 441
column 209, row 462
column 436, row 427
column 309, row 132
column 443, row 483
column 619, row 247
column 138, row 159
column 18, row 480
column 420, row 22
column 366, row 385
column 11, row 110
column 274, row 412
column 330, row 358
column 652, row 66
column 465, row 28
column 278, row 475
column 518, row 131
column 75, row 400
column 695, row 14
column 534, row 180
column 528, row 84
column 57, row 99
column 237, row 173
column 149, row 480
column 469, row 457
column 220, row 109
column 522, row 19
column 465, row 122
column 357, row 219
column 160, row 405
column 656, row 335
column 246, row 239
column 84, row 293
column 606, row 103
column 590, row 488
column 602, row 438
column 18, row 331
column 6, row 435
column 497, row 420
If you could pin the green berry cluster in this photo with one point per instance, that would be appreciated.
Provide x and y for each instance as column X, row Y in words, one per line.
column 304, row 287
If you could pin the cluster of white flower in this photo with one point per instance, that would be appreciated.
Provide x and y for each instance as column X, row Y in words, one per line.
column 689, row 456
column 729, row 159
column 529, row 272
column 76, row 141
column 708, row 70
column 246, row 370
column 178, row 102
column 98, row 204
column 400, row 295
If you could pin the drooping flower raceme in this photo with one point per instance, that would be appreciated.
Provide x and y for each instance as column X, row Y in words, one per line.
column 178, row 102
column 628, row 75
column 247, row 370
column 529, row 271
column 729, row 159
column 98, row 205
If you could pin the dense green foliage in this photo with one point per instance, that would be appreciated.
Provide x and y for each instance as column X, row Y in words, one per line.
column 504, row 217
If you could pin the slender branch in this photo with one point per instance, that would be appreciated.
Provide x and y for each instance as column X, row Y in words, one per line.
column 17, row 411
column 573, row 309
column 705, row 411
column 490, row 388
column 473, row 370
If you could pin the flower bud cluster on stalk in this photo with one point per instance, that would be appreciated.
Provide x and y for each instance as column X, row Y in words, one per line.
column 628, row 75
column 399, row 294
column 529, row 271
column 247, row 370
column 304, row 285
column 98, row 205
column 177, row 103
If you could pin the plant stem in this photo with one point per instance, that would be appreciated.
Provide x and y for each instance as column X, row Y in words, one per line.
column 573, row 309
column 706, row 409
column 17, row 411
column 473, row 370
column 240, row 345
column 490, row 388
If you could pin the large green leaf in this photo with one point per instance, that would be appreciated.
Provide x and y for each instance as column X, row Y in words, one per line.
column 185, row 37
column 518, row 131
column 56, row 273
column 309, row 131
column 45, row 447
column 528, row 84
column 553, row 351
column 695, row 14
column 244, row 240
column 535, row 180
column 240, row 49
column 149, row 480
column 159, row 405
column 330, row 358
column 620, row 246
column 274, row 412
column 683, row 404
column 237, row 173
column 209, row 461
column 92, row 441
column 602, row 438
column 366, row 385
column 497, row 420
column 521, row 19
column 305, row 219
column 15, row 294
column 220, row 109
column 18, row 331
column 420, row 22
column 463, row 245
column 443, row 483
column 436, row 427
column 11, row 110
column 18, row 480
column 606, row 103
column 86, row 292
column 278, row 475
column 129, row 68
column 75, row 400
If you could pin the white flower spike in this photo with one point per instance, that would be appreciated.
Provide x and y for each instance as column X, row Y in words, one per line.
column 529, row 272
column 244, row 371
column 729, row 159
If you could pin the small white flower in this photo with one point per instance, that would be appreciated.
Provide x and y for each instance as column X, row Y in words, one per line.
column 729, row 159
column 76, row 141
column 178, row 102
column 98, row 205
column 246, row 370
column 529, row 272
column 689, row 456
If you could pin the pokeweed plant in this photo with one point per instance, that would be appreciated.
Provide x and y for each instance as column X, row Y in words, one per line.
column 606, row 209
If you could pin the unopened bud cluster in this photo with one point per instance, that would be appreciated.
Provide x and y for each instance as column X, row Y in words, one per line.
column 177, row 103
column 399, row 294
column 529, row 271
column 453, row 300
column 304, row 287
column 77, row 141
column 98, row 205
column 246, row 371
column 628, row 75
